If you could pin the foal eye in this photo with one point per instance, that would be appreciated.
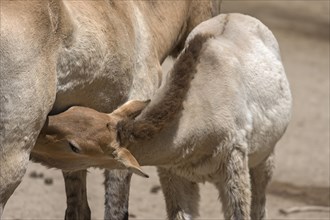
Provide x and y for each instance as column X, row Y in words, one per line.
column 74, row 148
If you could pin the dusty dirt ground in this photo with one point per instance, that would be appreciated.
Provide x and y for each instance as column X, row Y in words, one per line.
column 302, row 168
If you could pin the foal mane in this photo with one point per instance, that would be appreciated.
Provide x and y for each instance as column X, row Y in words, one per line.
column 159, row 114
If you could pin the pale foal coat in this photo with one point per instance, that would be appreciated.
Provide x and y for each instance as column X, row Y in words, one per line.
column 238, row 105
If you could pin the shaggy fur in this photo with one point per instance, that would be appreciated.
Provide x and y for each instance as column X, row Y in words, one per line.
column 160, row 114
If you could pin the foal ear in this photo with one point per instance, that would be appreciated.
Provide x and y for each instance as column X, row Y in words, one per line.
column 123, row 156
column 48, row 128
column 130, row 109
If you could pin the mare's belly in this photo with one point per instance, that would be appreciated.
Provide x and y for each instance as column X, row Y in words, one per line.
column 94, row 75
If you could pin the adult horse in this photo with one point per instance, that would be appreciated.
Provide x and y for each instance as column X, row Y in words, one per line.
column 58, row 53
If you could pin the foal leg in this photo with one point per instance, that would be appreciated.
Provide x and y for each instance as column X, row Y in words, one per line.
column 76, row 196
column 117, row 185
column 260, row 176
column 234, row 188
column 181, row 196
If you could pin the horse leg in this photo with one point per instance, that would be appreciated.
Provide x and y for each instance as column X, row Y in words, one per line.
column 117, row 185
column 234, row 189
column 260, row 176
column 181, row 195
column 27, row 93
column 76, row 195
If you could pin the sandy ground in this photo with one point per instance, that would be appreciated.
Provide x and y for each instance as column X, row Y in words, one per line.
column 302, row 169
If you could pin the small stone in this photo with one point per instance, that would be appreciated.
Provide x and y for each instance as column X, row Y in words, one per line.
column 48, row 181
column 33, row 174
column 155, row 189
column 132, row 215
